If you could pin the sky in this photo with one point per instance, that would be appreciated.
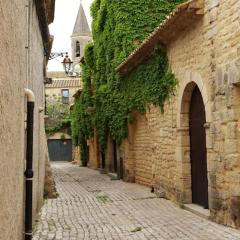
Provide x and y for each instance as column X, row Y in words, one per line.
column 62, row 27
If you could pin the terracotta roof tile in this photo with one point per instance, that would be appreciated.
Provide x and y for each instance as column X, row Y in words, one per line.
column 66, row 82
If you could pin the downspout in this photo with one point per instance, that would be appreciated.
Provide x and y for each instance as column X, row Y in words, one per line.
column 29, row 165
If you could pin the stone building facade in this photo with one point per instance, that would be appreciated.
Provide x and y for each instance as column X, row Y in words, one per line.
column 24, row 37
column 201, row 122
column 60, row 82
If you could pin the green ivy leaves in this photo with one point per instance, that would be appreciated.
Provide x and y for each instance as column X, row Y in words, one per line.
column 118, row 28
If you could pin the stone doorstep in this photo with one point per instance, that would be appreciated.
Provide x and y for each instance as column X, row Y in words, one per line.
column 198, row 210
column 112, row 175
column 102, row 171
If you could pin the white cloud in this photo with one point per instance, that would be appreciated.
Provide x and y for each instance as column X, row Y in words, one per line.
column 62, row 27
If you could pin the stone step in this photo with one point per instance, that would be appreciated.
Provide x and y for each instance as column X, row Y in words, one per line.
column 198, row 210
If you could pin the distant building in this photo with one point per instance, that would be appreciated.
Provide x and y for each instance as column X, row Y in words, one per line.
column 62, row 87
column 59, row 98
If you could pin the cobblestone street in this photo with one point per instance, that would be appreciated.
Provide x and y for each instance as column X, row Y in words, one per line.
column 92, row 206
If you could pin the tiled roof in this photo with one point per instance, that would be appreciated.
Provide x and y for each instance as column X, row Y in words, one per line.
column 81, row 27
column 174, row 24
column 66, row 82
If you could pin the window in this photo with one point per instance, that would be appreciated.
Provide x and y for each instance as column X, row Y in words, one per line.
column 77, row 49
column 65, row 96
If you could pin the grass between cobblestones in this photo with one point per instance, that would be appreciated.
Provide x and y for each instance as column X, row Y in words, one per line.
column 103, row 199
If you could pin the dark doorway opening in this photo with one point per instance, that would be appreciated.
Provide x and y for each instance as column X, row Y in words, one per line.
column 115, row 156
column 121, row 169
column 198, row 151
column 103, row 160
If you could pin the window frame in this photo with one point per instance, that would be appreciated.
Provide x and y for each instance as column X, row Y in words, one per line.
column 65, row 100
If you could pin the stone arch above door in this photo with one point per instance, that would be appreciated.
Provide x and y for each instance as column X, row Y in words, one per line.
column 186, row 87
column 192, row 78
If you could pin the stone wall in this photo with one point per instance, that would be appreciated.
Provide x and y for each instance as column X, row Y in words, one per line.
column 149, row 151
column 225, row 58
column 157, row 151
column 94, row 160
column 76, row 155
column 13, row 79
column 109, row 155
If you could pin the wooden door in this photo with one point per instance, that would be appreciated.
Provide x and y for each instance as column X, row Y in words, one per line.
column 198, row 152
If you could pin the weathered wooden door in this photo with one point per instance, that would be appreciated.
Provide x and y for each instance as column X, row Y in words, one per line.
column 60, row 150
column 198, row 152
column 115, row 156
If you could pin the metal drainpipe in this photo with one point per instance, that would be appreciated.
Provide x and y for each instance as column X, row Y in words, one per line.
column 29, row 165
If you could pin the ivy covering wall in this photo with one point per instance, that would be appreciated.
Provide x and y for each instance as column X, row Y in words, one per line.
column 107, row 99
column 58, row 115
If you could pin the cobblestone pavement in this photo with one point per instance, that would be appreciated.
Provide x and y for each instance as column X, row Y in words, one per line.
column 93, row 207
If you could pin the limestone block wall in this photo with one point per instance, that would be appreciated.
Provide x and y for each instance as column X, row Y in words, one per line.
column 140, row 153
column 162, row 126
column 109, row 155
column 94, row 161
column 209, row 51
column 149, row 151
column 13, row 80
column 142, row 150
column 225, row 34
column 157, row 151
column 76, row 159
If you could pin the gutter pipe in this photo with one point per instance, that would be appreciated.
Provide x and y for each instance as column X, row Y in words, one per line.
column 29, row 165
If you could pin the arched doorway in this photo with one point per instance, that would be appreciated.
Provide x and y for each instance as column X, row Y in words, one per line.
column 198, row 150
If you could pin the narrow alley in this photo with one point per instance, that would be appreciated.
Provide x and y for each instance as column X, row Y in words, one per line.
column 94, row 206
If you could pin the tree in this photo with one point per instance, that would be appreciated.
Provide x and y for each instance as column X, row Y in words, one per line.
column 58, row 115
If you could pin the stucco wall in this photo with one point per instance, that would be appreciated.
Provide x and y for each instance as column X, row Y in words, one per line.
column 206, row 54
column 57, row 92
column 13, row 80
column 83, row 40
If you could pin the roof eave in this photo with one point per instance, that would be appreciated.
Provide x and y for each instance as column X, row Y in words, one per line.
column 43, row 12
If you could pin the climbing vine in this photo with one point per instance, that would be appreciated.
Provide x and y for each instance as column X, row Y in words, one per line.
column 82, row 120
column 118, row 28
